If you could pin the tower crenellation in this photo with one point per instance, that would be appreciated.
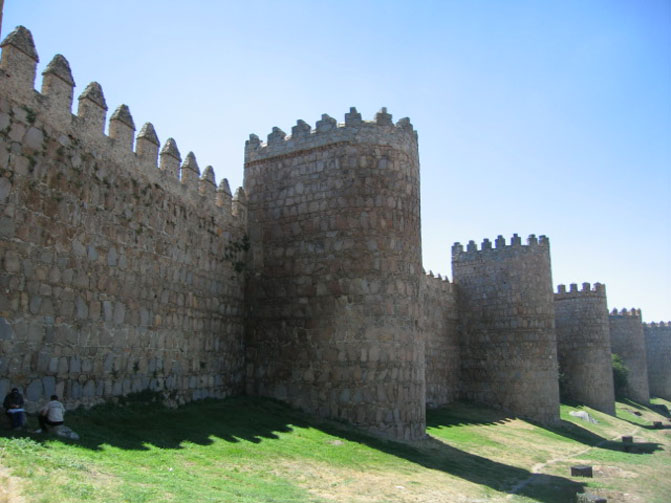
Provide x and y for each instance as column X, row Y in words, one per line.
column 327, row 131
column 586, row 290
column 473, row 252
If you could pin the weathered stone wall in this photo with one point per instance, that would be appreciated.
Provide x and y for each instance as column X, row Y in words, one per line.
column 583, row 346
column 658, row 357
column 334, row 232
column 627, row 340
column 506, row 309
column 116, row 276
column 438, row 323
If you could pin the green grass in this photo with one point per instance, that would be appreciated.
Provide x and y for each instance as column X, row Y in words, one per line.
column 256, row 450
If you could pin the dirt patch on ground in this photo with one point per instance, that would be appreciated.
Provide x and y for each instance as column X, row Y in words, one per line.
column 10, row 487
column 605, row 471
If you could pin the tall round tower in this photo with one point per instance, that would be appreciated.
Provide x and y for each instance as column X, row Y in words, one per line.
column 583, row 345
column 506, row 309
column 334, row 228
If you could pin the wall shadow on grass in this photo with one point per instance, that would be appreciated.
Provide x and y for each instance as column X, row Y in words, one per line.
column 137, row 426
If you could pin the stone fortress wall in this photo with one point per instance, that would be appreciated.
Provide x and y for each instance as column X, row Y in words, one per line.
column 627, row 340
column 506, row 317
column 335, row 245
column 583, row 345
column 124, row 269
column 439, row 326
column 658, row 357
column 117, row 275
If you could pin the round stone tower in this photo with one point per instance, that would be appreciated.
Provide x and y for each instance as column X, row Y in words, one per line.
column 506, row 307
column 628, row 341
column 583, row 345
column 335, row 265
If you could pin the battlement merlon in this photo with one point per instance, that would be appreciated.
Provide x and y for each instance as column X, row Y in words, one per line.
column 19, row 62
column 587, row 290
column 500, row 246
column 327, row 131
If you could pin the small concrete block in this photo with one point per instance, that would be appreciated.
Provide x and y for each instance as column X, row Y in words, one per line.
column 627, row 439
column 581, row 471
column 589, row 498
column 657, row 424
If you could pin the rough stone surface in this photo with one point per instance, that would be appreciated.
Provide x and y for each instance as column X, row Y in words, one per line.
column 334, row 234
column 508, row 341
column 658, row 358
column 438, row 324
column 627, row 341
column 119, row 275
column 583, row 346
column 111, row 264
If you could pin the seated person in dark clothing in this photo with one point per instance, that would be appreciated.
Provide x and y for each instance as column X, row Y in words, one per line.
column 13, row 405
column 51, row 414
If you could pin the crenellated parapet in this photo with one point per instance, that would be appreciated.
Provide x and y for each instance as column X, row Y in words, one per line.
column 139, row 153
column 626, row 313
column 586, row 290
column 487, row 248
column 660, row 324
column 327, row 131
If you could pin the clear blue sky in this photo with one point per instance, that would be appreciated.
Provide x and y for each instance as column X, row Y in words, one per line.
column 533, row 117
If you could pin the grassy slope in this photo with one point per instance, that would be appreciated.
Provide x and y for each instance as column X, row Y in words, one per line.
column 254, row 450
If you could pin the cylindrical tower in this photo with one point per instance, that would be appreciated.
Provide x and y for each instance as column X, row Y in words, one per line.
column 583, row 346
column 506, row 310
column 627, row 340
column 658, row 354
column 334, row 229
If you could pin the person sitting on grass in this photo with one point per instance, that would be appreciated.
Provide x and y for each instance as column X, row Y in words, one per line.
column 51, row 414
column 13, row 405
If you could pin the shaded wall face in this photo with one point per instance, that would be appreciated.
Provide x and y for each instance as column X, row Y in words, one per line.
column 658, row 356
column 627, row 340
column 506, row 309
column 111, row 282
column 334, row 297
column 583, row 347
column 438, row 321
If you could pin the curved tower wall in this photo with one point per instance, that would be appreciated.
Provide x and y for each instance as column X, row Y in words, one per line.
column 509, row 347
column 627, row 340
column 336, row 258
column 658, row 355
column 583, row 345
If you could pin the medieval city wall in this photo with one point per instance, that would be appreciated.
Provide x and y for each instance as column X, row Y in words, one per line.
column 658, row 358
column 583, row 346
column 438, row 324
column 116, row 276
column 336, row 260
column 507, row 331
column 627, row 341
